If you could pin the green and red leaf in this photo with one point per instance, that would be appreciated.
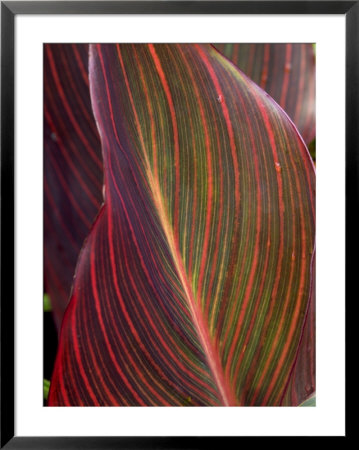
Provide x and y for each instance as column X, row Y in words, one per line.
column 286, row 72
column 73, row 173
column 194, row 282
column 301, row 384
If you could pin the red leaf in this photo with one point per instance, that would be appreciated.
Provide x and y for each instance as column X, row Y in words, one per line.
column 72, row 167
column 194, row 282
column 301, row 383
column 286, row 72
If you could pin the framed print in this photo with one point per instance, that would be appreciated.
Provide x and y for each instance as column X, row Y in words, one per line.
column 170, row 172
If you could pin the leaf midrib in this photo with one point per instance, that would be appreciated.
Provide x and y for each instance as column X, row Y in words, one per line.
column 225, row 391
column 212, row 355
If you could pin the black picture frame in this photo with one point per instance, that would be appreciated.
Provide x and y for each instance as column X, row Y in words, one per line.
column 9, row 9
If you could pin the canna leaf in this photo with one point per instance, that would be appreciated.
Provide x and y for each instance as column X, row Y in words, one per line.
column 47, row 303
column 46, row 387
column 194, row 282
column 286, row 72
column 73, row 170
column 312, row 149
column 301, row 383
column 310, row 402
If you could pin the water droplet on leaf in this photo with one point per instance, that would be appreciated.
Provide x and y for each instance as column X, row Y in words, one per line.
column 220, row 99
column 278, row 167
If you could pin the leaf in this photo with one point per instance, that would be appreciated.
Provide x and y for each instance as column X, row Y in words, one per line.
column 72, row 167
column 47, row 303
column 194, row 281
column 310, row 402
column 312, row 149
column 286, row 72
column 46, row 384
column 301, row 383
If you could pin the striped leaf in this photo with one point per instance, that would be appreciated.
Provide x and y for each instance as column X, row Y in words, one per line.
column 301, row 383
column 73, row 170
column 286, row 72
column 193, row 285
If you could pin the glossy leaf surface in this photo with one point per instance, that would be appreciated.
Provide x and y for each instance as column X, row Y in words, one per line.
column 73, row 173
column 286, row 72
column 194, row 282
